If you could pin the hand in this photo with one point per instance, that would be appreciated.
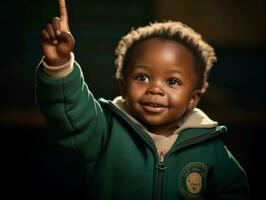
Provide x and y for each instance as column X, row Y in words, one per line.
column 56, row 40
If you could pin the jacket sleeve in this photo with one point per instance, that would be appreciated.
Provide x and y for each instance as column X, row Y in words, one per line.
column 227, row 180
column 70, row 110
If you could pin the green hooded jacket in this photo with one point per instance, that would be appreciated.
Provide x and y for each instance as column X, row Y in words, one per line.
column 120, row 157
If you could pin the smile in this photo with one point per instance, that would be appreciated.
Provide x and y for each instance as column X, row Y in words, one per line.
column 153, row 107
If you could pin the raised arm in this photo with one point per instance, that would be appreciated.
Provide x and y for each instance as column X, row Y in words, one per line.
column 74, row 116
column 56, row 40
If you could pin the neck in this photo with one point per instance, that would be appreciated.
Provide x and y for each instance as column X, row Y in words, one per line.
column 165, row 130
column 168, row 129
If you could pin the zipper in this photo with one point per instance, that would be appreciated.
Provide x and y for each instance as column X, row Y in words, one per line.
column 160, row 166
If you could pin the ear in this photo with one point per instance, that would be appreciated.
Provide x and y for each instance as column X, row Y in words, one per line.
column 122, row 87
column 194, row 100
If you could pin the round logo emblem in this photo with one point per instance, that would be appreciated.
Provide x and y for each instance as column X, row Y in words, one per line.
column 192, row 179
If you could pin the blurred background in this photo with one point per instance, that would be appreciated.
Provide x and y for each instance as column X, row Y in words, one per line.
column 33, row 166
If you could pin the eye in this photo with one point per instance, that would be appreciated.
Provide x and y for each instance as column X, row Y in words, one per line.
column 143, row 78
column 173, row 82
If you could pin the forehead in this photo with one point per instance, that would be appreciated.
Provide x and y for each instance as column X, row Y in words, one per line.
column 163, row 53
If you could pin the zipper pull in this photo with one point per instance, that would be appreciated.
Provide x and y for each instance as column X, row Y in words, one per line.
column 161, row 165
column 161, row 156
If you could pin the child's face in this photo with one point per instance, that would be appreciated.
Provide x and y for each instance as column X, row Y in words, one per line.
column 159, row 84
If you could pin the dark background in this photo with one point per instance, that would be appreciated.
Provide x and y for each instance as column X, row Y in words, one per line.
column 33, row 166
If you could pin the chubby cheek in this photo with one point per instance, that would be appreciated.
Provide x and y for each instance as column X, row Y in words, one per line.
column 178, row 102
column 133, row 93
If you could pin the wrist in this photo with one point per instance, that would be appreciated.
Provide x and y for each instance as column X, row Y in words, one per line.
column 57, row 62
column 59, row 70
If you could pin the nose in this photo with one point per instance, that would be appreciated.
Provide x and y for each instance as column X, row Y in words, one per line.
column 155, row 88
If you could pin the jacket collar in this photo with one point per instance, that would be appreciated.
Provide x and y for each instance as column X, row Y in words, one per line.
column 196, row 128
column 195, row 119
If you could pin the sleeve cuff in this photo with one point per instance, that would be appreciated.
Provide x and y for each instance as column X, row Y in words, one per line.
column 61, row 70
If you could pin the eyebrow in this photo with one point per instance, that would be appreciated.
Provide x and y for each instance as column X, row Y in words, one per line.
column 172, row 70
column 143, row 65
column 147, row 66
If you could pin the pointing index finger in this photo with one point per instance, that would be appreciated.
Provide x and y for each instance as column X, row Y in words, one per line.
column 63, row 11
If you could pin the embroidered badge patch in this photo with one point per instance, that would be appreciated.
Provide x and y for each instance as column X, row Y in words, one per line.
column 192, row 179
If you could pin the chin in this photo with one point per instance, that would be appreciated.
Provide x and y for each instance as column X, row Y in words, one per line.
column 151, row 122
